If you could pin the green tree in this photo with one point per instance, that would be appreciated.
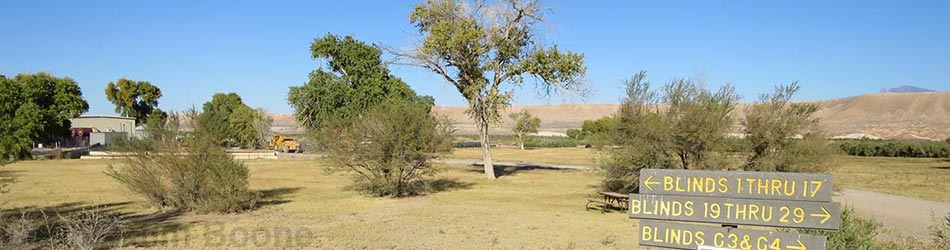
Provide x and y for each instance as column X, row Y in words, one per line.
column 785, row 136
column 594, row 131
column 36, row 108
column 216, row 114
column 262, row 124
column 678, row 128
column 484, row 51
column 246, row 124
column 357, row 80
column 137, row 99
column 524, row 123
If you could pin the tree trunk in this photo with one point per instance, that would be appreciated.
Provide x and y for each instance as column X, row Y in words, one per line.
column 521, row 140
column 486, row 149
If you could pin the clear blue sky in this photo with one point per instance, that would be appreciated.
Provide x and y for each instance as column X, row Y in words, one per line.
column 192, row 49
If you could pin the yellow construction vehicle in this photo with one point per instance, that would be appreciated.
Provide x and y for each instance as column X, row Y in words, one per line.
column 283, row 144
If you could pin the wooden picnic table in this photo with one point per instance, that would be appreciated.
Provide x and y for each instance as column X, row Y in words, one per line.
column 616, row 199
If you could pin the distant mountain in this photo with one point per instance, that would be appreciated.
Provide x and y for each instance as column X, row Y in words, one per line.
column 906, row 89
column 890, row 115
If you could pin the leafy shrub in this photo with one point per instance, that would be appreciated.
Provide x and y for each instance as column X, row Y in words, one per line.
column 895, row 148
column 811, row 154
column 192, row 174
column 774, row 126
column 681, row 135
column 856, row 233
column 575, row 134
column 388, row 148
column 596, row 132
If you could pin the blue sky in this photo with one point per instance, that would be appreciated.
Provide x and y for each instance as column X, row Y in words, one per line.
column 192, row 49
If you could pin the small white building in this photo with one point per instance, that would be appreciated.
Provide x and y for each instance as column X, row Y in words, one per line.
column 106, row 124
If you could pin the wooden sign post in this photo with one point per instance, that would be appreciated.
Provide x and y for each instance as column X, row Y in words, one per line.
column 787, row 200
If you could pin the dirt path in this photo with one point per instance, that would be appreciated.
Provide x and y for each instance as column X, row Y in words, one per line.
column 910, row 215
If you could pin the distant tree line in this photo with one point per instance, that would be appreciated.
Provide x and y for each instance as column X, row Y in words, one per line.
column 895, row 148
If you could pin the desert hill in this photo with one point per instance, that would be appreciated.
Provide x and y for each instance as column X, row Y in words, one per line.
column 924, row 115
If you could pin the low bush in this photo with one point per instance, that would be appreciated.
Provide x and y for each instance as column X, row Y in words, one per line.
column 388, row 148
column 86, row 229
column 895, row 148
column 189, row 173
column 856, row 233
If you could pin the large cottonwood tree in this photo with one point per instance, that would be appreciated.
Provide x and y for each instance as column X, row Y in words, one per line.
column 354, row 80
column 486, row 50
column 136, row 99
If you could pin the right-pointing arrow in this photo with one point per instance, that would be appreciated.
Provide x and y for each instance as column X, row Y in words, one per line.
column 801, row 246
column 825, row 214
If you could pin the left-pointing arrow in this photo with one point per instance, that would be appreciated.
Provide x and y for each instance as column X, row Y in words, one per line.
column 649, row 182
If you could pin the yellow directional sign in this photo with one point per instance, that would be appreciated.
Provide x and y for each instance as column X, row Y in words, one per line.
column 790, row 200
column 813, row 215
column 688, row 236
column 737, row 184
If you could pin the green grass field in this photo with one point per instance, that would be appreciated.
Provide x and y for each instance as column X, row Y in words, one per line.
column 306, row 207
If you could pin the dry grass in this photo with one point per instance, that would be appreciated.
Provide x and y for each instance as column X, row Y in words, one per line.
column 533, row 209
column 536, row 209
column 924, row 178
column 555, row 156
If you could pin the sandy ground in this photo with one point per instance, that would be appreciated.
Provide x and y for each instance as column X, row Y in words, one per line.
column 910, row 215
